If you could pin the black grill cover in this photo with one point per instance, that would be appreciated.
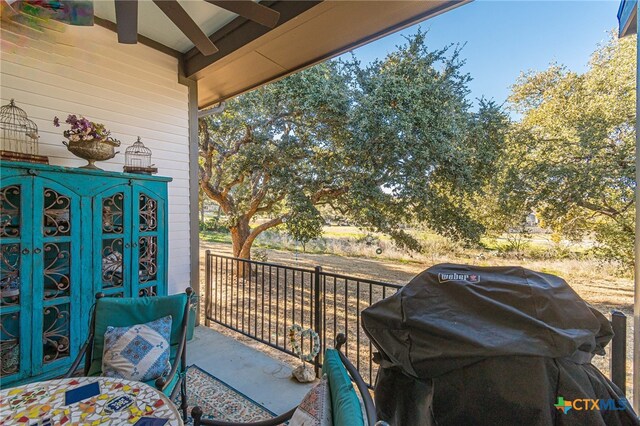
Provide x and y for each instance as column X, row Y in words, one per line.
column 466, row 345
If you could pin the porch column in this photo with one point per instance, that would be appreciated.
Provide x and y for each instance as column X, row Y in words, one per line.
column 636, row 293
column 194, row 224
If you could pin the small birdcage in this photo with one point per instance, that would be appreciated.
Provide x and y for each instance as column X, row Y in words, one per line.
column 19, row 138
column 137, row 159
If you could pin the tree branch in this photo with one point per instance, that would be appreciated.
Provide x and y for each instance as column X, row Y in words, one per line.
column 270, row 204
column 606, row 211
column 323, row 193
column 258, row 230
column 225, row 204
column 248, row 137
column 258, row 195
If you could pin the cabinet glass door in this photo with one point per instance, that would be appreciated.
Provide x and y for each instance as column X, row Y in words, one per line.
column 148, row 271
column 57, row 280
column 15, row 277
column 112, row 241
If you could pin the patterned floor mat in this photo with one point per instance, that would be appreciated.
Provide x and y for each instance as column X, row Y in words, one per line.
column 220, row 401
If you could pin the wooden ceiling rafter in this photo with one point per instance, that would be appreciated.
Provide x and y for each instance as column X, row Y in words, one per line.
column 186, row 24
column 251, row 10
column 227, row 39
column 127, row 21
column 242, row 31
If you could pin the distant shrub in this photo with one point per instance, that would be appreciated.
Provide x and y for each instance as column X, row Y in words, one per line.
column 213, row 225
column 260, row 255
column 368, row 240
column 435, row 246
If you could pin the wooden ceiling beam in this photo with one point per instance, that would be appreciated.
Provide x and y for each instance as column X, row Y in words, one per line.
column 127, row 21
column 240, row 32
column 251, row 10
column 187, row 26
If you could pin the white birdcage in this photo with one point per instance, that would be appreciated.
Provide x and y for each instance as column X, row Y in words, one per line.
column 19, row 134
column 137, row 158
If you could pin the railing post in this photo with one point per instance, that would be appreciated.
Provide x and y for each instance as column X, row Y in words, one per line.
column 207, row 286
column 619, row 350
column 317, row 316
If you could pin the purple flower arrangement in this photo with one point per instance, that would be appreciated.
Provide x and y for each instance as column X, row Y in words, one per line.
column 83, row 130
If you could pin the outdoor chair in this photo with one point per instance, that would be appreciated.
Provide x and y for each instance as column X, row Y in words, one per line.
column 125, row 312
column 338, row 410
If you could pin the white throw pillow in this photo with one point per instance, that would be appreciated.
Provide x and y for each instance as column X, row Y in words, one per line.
column 140, row 352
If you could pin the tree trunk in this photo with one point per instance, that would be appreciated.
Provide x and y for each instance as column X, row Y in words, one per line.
column 245, row 252
column 242, row 238
column 239, row 235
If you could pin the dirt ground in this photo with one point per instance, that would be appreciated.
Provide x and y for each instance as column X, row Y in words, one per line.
column 604, row 294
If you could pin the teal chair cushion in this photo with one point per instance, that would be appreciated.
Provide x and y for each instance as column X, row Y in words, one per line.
column 345, row 406
column 124, row 312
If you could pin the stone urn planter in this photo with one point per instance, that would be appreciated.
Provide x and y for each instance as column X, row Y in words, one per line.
column 92, row 151
column 88, row 140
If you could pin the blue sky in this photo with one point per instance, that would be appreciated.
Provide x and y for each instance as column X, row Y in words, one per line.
column 504, row 38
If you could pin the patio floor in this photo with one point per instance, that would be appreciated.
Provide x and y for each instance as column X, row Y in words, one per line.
column 260, row 377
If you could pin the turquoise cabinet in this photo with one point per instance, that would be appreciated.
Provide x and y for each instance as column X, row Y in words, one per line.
column 66, row 234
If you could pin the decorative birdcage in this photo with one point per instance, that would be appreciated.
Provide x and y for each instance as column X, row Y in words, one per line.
column 137, row 159
column 19, row 135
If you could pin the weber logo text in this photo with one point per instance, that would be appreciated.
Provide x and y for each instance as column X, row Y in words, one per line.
column 471, row 278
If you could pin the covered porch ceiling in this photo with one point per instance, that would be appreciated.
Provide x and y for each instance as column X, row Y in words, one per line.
column 250, row 54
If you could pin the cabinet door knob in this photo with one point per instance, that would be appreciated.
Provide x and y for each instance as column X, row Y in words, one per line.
column 134, row 245
column 37, row 251
column 25, row 251
column 127, row 245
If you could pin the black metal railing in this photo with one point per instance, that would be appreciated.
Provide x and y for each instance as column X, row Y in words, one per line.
column 618, row 352
column 342, row 299
column 257, row 299
column 263, row 300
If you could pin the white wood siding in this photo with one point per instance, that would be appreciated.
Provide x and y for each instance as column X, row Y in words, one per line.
column 132, row 89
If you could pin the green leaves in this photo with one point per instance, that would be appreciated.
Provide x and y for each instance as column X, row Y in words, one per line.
column 414, row 129
column 388, row 145
column 571, row 157
column 304, row 221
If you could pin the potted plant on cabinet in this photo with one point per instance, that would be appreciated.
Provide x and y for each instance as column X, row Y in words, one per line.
column 88, row 140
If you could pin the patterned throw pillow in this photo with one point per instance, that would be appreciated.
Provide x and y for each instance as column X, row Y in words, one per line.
column 140, row 352
column 315, row 408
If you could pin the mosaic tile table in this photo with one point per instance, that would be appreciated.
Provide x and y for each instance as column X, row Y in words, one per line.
column 120, row 402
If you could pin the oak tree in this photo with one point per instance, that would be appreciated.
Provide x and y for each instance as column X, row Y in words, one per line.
column 571, row 155
column 389, row 144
